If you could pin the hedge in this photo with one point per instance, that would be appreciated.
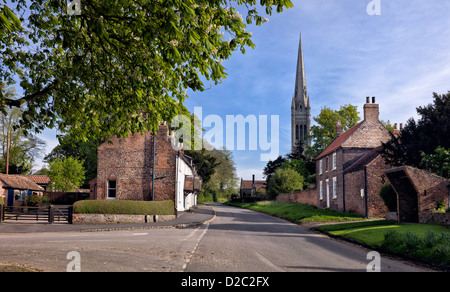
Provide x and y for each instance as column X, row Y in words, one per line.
column 124, row 207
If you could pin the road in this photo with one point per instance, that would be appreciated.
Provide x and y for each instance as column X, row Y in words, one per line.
column 238, row 240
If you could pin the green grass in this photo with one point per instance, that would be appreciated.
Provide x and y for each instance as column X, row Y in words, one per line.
column 430, row 243
column 299, row 213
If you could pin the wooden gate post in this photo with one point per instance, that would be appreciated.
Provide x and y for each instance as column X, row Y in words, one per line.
column 70, row 214
column 2, row 212
column 51, row 214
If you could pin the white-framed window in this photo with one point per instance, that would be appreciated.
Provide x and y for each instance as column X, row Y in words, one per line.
column 334, row 160
column 334, row 187
column 112, row 189
column 326, row 164
column 321, row 190
column 320, row 166
column 327, row 185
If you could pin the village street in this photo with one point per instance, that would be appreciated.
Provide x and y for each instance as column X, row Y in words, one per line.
column 238, row 240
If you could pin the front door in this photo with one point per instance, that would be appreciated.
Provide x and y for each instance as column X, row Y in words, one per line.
column 10, row 197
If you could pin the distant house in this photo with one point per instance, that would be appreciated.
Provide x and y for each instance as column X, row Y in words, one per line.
column 16, row 188
column 349, row 172
column 125, row 170
column 250, row 188
column 41, row 180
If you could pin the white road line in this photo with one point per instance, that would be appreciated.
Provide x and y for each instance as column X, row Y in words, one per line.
column 188, row 259
column 139, row 234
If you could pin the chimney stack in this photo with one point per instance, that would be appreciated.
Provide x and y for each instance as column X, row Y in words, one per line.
column 339, row 128
column 371, row 111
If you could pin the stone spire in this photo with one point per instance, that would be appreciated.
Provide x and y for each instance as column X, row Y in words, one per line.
column 301, row 107
column 300, row 78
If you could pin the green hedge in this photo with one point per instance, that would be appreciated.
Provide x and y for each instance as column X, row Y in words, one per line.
column 124, row 207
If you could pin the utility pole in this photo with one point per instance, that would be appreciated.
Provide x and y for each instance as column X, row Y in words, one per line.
column 7, row 151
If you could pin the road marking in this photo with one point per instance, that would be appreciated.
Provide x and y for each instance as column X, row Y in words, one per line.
column 268, row 262
column 139, row 234
column 188, row 259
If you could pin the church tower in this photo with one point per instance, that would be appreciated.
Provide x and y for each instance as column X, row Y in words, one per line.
column 301, row 107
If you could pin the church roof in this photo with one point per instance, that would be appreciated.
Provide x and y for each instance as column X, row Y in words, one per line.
column 337, row 142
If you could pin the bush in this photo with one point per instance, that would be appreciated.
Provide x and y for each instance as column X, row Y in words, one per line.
column 34, row 201
column 124, row 207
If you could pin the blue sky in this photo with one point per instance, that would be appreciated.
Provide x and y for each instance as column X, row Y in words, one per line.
column 401, row 56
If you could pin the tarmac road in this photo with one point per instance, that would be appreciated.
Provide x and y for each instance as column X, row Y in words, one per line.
column 238, row 240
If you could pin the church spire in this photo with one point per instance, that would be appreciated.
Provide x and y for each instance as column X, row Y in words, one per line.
column 301, row 107
column 301, row 95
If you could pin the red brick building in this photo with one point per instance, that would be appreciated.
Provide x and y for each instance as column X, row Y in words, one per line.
column 125, row 170
column 349, row 172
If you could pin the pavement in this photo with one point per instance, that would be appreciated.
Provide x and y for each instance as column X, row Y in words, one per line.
column 199, row 215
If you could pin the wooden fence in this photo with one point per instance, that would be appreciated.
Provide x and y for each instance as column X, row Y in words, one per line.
column 49, row 214
column 66, row 198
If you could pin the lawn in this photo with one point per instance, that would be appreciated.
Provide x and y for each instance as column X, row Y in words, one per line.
column 299, row 213
column 430, row 243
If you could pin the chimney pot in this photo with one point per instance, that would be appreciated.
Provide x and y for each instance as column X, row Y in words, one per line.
column 368, row 99
column 395, row 126
column 373, row 99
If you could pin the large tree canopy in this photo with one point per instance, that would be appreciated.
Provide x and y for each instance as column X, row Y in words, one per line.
column 422, row 137
column 119, row 66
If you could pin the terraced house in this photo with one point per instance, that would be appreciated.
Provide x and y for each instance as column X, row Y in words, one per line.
column 350, row 171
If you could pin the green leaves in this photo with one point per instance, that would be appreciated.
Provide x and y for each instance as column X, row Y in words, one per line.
column 121, row 66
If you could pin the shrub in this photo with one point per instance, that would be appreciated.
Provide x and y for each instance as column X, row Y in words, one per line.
column 124, row 207
column 34, row 201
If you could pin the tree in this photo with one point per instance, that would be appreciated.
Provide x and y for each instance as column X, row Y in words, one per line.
column 120, row 66
column 272, row 166
column 23, row 148
column 84, row 151
column 431, row 131
column 8, row 22
column 324, row 132
column 66, row 173
column 224, row 181
column 439, row 162
column 204, row 162
column 285, row 181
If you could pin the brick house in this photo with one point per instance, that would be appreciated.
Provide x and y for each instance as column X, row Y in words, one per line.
column 125, row 170
column 349, row 172
column 250, row 188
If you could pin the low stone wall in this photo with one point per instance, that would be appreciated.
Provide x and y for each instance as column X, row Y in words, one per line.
column 98, row 219
column 440, row 218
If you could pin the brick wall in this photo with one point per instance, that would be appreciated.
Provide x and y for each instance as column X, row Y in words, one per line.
column 308, row 197
column 129, row 162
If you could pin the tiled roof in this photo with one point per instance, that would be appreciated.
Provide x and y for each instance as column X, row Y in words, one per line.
column 336, row 143
column 39, row 179
column 18, row 182
column 259, row 184
column 364, row 160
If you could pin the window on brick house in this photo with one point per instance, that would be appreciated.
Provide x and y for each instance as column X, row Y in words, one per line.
column 334, row 161
column 321, row 190
column 326, row 164
column 320, row 166
column 334, row 187
column 112, row 191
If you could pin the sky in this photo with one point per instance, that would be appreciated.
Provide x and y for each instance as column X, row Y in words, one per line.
column 400, row 56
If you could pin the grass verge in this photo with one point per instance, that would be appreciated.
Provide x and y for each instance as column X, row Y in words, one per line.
column 299, row 213
column 426, row 243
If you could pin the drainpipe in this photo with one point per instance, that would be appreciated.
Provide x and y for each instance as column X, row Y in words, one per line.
column 365, row 191
column 153, row 170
